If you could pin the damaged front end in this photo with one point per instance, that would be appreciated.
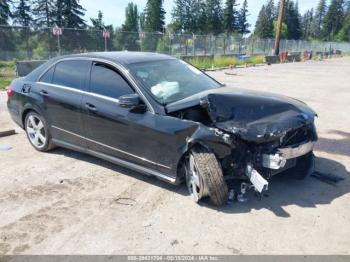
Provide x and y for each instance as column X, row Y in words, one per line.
column 254, row 135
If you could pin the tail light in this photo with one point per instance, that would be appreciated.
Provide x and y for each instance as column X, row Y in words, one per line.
column 9, row 91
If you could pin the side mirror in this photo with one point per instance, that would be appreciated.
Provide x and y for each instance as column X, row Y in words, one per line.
column 129, row 101
column 132, row 102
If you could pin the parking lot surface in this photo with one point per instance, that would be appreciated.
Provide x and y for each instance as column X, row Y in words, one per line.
column 65, row 202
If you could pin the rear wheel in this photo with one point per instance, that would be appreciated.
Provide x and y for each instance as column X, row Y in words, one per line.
column 204, row 177
column 37, row 132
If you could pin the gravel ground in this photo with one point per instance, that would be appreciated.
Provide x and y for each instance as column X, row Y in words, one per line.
column 70, row 203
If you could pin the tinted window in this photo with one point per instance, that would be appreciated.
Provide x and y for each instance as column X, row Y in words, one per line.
column 47, row 77
column 70, row 73
column 105, row 81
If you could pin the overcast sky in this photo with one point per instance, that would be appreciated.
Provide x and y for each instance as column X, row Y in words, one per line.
column 114, row 10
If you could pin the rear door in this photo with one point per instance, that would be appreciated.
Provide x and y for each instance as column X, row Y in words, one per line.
column 62, row 88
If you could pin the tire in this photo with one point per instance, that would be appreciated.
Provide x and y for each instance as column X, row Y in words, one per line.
column 303, row 168
column 38, row 132
column 211, row 181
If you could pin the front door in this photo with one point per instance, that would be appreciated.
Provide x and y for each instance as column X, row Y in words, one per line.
column 147, row 139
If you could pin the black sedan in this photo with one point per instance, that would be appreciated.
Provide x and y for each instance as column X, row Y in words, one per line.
column 163, row 117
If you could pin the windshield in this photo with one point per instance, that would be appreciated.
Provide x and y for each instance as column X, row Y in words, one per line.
column 172, row 80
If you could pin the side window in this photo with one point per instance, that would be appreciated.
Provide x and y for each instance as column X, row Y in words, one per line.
column 47, row 77
column 107, row 82
column 70, row 73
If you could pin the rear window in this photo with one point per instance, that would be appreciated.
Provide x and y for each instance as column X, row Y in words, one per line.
column 47, row 77
column 70, row 73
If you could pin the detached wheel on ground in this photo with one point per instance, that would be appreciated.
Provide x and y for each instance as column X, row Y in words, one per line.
column 204, row 177
column 37, row 132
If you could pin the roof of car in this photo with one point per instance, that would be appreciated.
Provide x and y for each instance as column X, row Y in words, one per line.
column 125, row 57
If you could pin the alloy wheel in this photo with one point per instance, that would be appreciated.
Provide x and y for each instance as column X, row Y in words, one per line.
column 36, row 131
column 193, row 181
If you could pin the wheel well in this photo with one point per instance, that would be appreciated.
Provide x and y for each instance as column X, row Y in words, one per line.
column 24, row 115
column 180, row 167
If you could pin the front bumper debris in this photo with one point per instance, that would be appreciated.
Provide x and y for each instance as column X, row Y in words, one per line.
column 279, row 159
column 259, row 182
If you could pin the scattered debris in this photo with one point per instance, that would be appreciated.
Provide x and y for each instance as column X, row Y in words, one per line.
column 9, row 132
column 125, row 201
column 231, row 196
column 230, row 73
column 241, row 198
column 174, row 242
column 327, row 178
column 5, row 147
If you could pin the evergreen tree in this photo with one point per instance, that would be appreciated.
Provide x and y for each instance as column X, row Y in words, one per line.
column 178, row 15
column 344, row 34
column 214, row 15
column 306, row 24
column 271, row 10
column 189, row 16
column 320, row 14
column 69, row 14
column 154, row 22
column 97, row 23
column 154, row 16
column 22, row 14
column 131, row 23
column 6, row 36
column 142, row 21
column 195, row 16
column 243, row 25
column 94, row 40
column 58, row 14
column 127, row 37
column 292, row 20
column 264, row 25
column 231, row 17
column 43, row 13
column 333, row 21
column 5, row 12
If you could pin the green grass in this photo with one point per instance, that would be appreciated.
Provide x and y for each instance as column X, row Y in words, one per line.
column 255, row 60
column 7, row 73
column 4, row 83
column 222, row 62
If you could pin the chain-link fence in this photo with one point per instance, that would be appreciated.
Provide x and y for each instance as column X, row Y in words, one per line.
column 24, row 43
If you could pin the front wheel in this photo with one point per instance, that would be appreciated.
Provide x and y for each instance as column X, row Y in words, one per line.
column 204, row 177
column 37, row 132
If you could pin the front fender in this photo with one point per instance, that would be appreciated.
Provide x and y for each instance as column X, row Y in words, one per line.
column 211, row 138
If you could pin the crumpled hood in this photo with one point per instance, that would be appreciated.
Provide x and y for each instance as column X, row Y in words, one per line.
column 255, row 116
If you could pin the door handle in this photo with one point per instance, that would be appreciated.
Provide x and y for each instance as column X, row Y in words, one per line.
column 90, row 107
column 44, row 93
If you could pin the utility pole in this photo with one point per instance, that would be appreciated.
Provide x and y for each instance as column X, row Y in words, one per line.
column 279, row 27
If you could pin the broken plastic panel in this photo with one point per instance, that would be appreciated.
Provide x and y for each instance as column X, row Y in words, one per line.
column 260, row 184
